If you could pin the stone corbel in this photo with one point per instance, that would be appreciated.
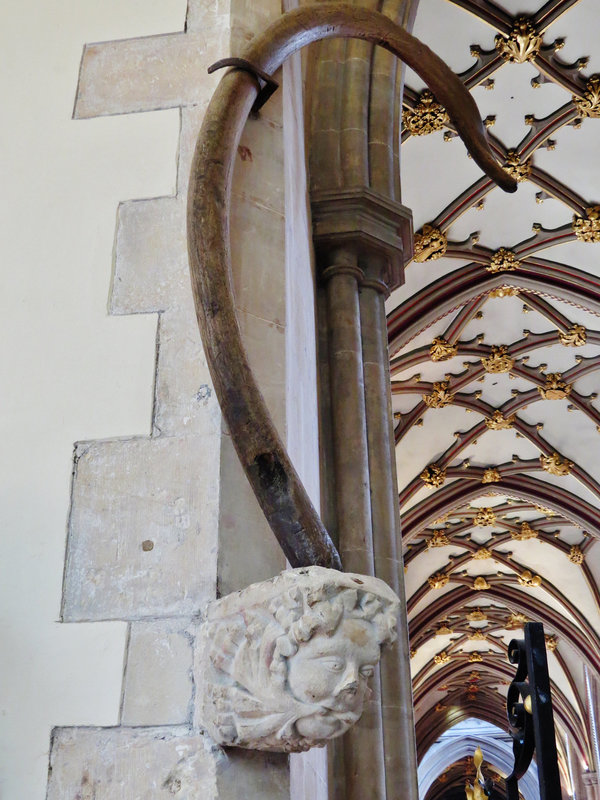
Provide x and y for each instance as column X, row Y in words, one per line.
column 376, row 229
column 284, row 664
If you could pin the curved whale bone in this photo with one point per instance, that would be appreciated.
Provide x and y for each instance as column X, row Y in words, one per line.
column 280, row 493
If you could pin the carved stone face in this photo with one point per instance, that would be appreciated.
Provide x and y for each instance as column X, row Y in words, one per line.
column 333, row 672
column 284, row 665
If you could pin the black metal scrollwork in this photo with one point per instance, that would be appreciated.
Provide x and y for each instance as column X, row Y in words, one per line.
column 529, row 708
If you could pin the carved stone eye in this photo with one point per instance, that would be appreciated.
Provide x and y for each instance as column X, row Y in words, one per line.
column 333, row 664
column 368, row 671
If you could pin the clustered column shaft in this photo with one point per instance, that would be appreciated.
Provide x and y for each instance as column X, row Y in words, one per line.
column 376, row 759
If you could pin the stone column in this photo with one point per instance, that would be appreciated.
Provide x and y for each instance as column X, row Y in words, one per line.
column 360, row 237
column 396, row 683
column 358, row 768
column 351, row 464
column 590, row 781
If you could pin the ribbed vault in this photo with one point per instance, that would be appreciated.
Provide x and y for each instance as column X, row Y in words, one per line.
column 495, row 359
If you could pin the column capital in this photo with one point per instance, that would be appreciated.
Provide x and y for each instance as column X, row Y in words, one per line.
column 590, row 778
column 376, row 229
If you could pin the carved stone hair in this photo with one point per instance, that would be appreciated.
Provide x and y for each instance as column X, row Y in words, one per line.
column 303, row 612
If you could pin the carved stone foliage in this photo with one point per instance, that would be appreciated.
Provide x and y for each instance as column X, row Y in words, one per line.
column 477, row 636
column 441, row 350
column 589, row 104
column 522, row 43
column 440, row 395
column 480, row 584
column 477, row 616
column 441, row 658
column 284, row 664
column 555, row 388
column 505, row 291
column 482, row 554
column 526, row 532
column 426, row 117
column 515, row 620
column 503, row 260
column 438, row 539
column 433, row 475
column 527, row 578
column 587, row 229
column 520, row 170
column 497, row 422
column 438, row 580
column 485, row 516
column 429, row 244
column 491, row 475
column 576, row 555
column 556, row 465
column 498, row 360
column 444, row 630
column 576, row 336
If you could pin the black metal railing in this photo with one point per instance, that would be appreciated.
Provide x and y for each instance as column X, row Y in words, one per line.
column 530, row 716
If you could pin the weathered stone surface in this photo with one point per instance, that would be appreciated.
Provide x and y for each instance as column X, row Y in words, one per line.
column 258, row 173
column 308, row 775
column 248, row 551
column 191, row 121
column 284, row 664
column 249, row 19
column 158, row 681
column 255, row 290
column 151, row 269
column 131, row 763
column 264, row 342
column 250, row 775
column 149, row 73
column 185, row 401
column 143, row 528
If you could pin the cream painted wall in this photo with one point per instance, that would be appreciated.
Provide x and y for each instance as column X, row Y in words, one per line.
column 68, row 370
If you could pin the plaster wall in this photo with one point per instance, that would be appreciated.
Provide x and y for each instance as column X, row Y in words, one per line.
column 147, row 518
column 68, row 370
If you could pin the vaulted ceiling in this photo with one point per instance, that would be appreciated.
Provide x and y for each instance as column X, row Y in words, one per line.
column 495, row 359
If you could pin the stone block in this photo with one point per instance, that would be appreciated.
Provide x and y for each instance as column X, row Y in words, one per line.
column 150, row 262
column 265, row 345
column 248, row 550
column 248, row 19
column 184, row 401
column 308, row 775
column 131, row 764
column 248, row 775
column 191, row 121
column 258, row 238
column 149, row 73
column 158, row 683
column 258, row 173
column 143, row 528
column 267, row 124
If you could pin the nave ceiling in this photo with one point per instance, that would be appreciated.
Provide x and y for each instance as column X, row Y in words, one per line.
column 495, row 364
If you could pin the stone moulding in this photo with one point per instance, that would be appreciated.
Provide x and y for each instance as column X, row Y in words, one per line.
column 284, row 664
